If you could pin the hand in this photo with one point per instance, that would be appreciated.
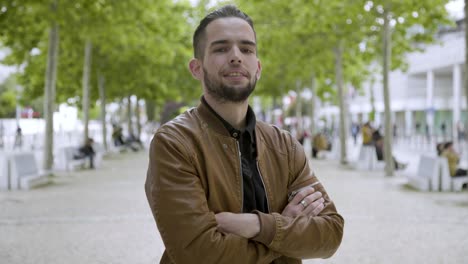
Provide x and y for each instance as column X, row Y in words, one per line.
column 244, row 225
column 307, row 201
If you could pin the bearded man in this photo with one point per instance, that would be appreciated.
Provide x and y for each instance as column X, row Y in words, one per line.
column 224, row 187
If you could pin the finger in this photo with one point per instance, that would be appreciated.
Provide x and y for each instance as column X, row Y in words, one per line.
column 301, row 195
column 310, row 199
column 312, row 208
column 318, row 210
column 313, row 197
column 292, row 210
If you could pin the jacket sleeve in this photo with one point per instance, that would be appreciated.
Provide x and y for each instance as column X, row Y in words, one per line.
column 302, row 237
column 178, row 201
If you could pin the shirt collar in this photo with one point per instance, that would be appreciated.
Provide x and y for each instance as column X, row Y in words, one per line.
column 250, row 118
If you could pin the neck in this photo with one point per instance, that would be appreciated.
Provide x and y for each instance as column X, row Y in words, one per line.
column 234, row 113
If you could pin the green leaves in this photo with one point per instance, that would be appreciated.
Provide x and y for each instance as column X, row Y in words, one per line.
column 142, row 47
column 137, row 45
column 296, row 37
column 8, row 98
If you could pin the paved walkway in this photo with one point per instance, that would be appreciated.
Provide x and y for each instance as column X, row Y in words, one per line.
column 102, row 216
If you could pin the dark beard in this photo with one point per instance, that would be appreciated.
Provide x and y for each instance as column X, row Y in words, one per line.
column 223, row 93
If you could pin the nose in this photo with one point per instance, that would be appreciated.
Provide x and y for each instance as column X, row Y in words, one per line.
column 235, row 56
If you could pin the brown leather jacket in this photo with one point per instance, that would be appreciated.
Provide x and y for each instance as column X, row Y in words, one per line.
column 194, row 172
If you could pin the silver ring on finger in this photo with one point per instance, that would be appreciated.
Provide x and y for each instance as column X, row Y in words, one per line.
column 304, row 203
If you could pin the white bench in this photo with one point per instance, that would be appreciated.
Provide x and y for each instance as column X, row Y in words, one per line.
column 99, row 153
column 335, row 152
column 68, row 162
column 449, row 183
column 67, row 159
column 367, row 159
column 4, row 176
column 23, row 172
column 117, row 149
column 427, row 177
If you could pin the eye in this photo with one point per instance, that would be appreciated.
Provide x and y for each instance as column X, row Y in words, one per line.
column 222, row 49
column 247, row 50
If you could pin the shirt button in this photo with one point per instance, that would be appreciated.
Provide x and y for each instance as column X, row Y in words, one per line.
column 224, row 146
column 234, row 134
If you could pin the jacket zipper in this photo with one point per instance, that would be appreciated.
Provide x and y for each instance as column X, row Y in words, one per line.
column 264, row 187
column 241, row 177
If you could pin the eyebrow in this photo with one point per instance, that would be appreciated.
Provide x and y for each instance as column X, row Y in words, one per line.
column 223, row 41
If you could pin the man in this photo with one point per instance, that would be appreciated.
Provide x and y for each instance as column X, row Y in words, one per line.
column 367, row 133
column 86, row 151
column 224, row 188
column 319, row 142
column 453, row 159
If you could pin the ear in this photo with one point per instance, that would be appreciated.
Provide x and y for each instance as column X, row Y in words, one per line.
column 195, row 66
column 259, row 70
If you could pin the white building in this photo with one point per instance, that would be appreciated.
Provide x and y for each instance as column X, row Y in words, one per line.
column 429, row 93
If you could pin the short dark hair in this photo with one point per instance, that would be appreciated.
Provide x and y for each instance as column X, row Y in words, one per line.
column 448, row 144
column 223, row 12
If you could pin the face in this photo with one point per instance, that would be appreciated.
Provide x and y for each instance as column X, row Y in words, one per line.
column 230, row 68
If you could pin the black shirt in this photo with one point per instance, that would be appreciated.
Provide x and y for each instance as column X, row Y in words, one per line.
column 253, row 189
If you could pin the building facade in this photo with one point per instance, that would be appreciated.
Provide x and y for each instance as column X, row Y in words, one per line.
column 427, row 98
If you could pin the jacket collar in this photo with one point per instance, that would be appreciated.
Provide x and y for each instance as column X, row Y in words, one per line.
column 213, row 120
column 209, row 119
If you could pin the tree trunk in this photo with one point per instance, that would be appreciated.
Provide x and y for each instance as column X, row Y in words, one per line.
column 49, row 93
column 372, row 100
column 466, row 51
column 298, row 109
column 466, row 58
column 389, row 166
column 121, row 111
column 272, row 112
column 150, row 106
column 339, row 83
column 138, row 119
column 129, row 116
column 102, row 99
column 312, row 113
column 85, row 83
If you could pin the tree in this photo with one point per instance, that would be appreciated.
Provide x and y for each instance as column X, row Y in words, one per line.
column 402, row 24
column 318, row 34
column 8, row 98
column 49, row 90
column 466, row 53
column 134, row 46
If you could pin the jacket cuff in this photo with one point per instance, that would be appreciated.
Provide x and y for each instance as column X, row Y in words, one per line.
column 267, row 228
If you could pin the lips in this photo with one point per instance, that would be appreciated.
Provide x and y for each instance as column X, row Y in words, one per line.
column 235, row 74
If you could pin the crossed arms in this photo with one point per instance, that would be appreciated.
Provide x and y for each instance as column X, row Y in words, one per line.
column 307, row 201
column 191, row 231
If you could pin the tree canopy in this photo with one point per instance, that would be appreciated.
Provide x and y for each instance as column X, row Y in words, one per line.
column 142, row 47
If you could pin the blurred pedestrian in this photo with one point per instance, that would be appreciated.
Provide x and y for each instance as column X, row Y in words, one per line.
column 453, row 159
column 428, row 133
column 367, row 132
column 355, row 131
column 117, row 135
column 18, row 138
column 379, row 151
column 443, row 129
column 319, row 143
column 301, row 135
column 460, row 130
column 86, row 151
